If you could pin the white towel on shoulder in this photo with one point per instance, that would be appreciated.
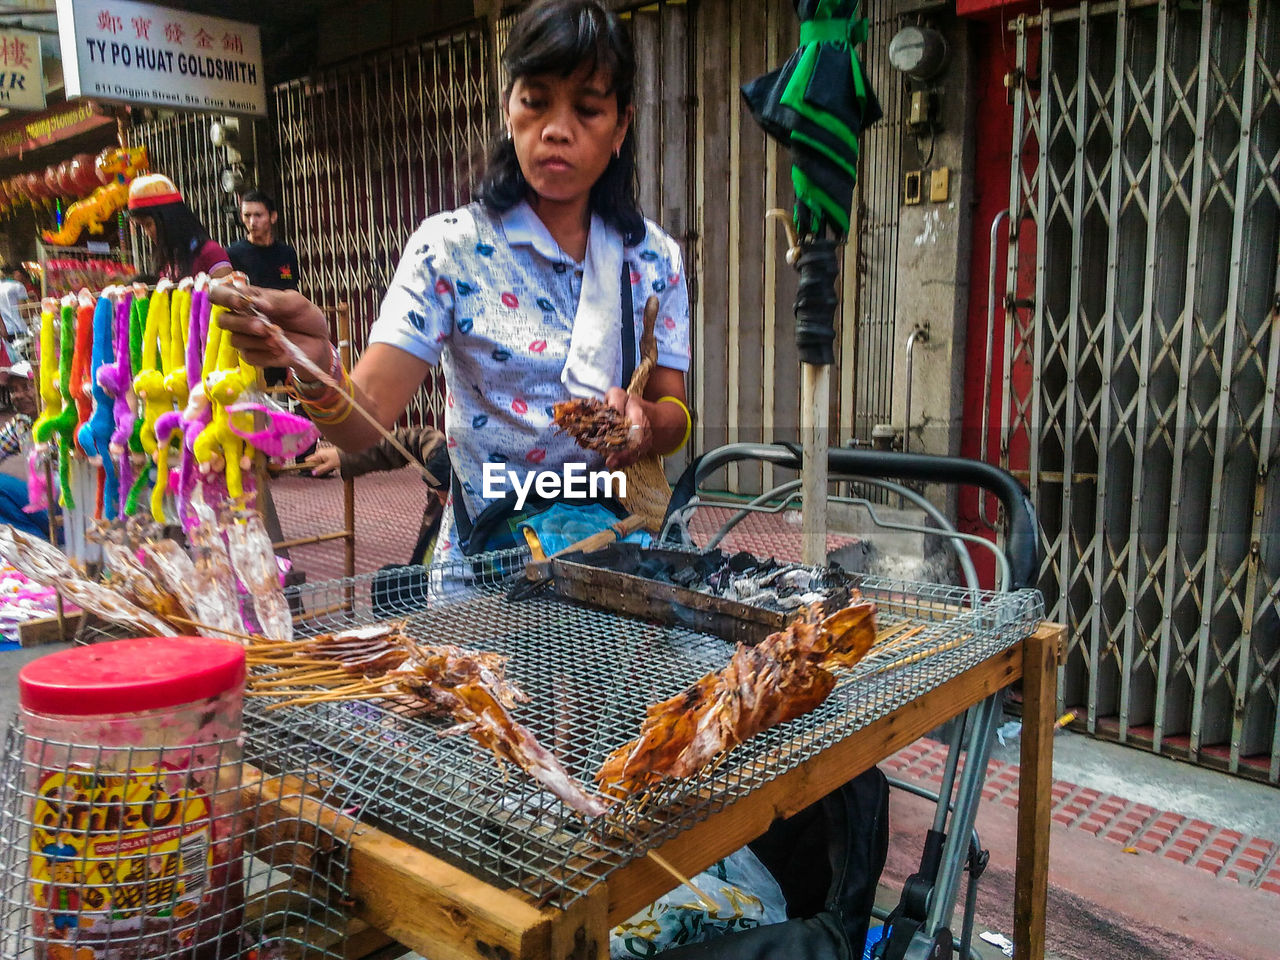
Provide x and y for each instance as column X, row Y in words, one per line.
column 595, row 343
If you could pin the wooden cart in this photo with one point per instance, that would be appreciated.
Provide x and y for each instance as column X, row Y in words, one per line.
column 416, row 899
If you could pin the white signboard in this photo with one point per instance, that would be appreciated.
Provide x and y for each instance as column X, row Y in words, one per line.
column 144, row 54
column 21, row 77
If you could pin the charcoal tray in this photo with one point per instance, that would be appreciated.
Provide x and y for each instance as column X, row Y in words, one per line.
column 589, row 578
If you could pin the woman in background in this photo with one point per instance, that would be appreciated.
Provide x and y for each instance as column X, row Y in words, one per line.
column 183, row 247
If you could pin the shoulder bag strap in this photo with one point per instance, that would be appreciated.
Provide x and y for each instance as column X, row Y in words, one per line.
column 628, row 327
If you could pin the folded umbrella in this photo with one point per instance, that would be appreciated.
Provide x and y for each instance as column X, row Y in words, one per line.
column 817, row 104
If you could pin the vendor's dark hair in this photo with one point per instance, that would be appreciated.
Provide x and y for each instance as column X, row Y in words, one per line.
column 179, row 236
column 559, row 36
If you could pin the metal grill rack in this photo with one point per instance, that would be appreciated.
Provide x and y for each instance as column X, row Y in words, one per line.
column 274, row 887
column 590, row 676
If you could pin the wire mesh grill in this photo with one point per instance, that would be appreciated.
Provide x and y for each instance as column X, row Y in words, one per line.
column 589, row 675
column 109, row 853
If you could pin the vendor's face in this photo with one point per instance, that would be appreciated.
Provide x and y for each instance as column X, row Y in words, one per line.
column 565, row 131
column 148, row 226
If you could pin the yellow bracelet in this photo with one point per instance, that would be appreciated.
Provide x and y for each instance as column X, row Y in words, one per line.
column 688, row 423
column 333, row 420
column 327, row 412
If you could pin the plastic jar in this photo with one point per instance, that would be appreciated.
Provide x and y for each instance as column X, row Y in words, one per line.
column 131, row 780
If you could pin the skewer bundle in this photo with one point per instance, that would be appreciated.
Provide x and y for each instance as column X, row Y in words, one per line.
column 381, row 662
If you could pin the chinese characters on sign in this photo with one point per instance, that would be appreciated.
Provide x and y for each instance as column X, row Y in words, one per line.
column 141, row 53
column 21, row 77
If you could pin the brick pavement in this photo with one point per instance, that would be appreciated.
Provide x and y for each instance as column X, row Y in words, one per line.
column 1136, row 828
column 388, row 515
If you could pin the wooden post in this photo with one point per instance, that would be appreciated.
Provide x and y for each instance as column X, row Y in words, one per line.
column 348, row 484
column 1040, row 656
column 815, row 394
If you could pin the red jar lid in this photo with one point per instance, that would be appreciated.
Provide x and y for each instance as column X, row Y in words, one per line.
column 129, row 676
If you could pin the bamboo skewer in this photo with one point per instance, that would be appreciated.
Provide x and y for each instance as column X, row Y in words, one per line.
column 302, row 360
column 209, row 629
column 708, row 904
column 892, row 631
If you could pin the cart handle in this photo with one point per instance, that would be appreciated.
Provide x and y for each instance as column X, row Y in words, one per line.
column 1022, row 542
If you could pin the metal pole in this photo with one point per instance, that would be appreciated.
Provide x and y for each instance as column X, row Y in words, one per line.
column 987, row 367
column 918, row 335
column 816, row 302
column 348, row 484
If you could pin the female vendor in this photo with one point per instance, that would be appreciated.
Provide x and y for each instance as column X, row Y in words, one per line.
column 517, row 295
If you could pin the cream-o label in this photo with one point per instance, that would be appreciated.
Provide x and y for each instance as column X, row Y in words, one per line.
column 118, row 858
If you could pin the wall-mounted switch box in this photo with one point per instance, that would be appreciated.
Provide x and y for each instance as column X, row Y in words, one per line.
column 911, row 189
column 940, row 185
column 918, row 114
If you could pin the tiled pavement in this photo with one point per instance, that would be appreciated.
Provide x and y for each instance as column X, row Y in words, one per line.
column 1138, row 829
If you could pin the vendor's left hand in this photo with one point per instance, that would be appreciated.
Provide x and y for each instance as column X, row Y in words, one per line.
column 641, row 438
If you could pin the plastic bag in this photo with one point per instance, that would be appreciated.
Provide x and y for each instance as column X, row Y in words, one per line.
column 745, row 892
column 565, row 524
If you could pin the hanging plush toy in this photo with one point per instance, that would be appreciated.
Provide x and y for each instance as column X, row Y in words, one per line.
column 95, row 436
column 62, row 425
column 81, row 361
column 115, row 379
column 141, row 377
column 51, row 402
column 153, row 398
column 218, row 447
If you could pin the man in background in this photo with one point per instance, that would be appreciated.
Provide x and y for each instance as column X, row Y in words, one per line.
column 262, row 257
column 12, row 292
column 266, row 260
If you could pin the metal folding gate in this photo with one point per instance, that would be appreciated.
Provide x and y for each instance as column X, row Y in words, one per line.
column 179, row 147
column 879, row 190
column 367, row 151
column 1142, row 344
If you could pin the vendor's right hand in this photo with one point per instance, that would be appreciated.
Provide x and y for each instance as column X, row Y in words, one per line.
column 297, row 317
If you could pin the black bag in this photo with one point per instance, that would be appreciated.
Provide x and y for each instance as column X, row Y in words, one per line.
column 827, row 859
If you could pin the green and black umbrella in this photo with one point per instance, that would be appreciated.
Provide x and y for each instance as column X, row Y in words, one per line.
column 817, row 105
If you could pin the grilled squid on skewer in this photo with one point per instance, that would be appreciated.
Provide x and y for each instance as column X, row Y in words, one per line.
column 783, row 677
column 138, row 584
column 595, row 425
column 44, row 564
column 469, row 685
column 255, row 564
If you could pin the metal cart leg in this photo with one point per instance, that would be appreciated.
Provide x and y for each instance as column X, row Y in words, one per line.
column 920, row 927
